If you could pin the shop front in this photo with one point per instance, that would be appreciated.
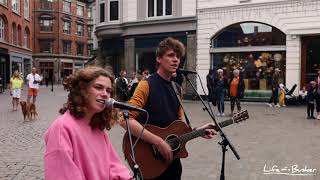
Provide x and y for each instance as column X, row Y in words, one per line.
column 256, row 49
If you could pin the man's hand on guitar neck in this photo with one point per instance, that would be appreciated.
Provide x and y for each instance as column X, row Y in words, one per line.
column 164, row 149
column 209, row 129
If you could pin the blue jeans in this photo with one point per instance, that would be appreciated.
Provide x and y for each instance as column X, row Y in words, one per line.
column 220, row 103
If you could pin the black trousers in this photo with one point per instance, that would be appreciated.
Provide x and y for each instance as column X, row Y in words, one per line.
column 233, row 101
column 173, row 172
column 310, row 109
column 274, row 96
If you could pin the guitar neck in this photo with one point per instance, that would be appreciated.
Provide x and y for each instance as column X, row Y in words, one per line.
column 196, row 133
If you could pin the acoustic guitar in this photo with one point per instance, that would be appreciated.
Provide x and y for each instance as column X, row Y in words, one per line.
column 177, row 134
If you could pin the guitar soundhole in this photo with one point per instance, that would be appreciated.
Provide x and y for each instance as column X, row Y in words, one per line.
column 175, row 146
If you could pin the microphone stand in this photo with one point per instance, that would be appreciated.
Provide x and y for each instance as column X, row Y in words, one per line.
column 136, row 171
column 225, row 142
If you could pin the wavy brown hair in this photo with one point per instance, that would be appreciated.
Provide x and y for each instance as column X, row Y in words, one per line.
column 170, row 43
column 78, row 98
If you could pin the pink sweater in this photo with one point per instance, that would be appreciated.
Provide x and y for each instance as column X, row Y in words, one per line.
column 74, row 151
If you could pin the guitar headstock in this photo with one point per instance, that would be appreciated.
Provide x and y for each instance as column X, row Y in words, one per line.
column 240, row 116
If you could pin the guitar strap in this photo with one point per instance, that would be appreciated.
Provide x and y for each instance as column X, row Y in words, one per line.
column 178, row 96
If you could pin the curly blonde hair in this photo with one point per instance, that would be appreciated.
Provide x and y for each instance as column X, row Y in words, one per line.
column 78, row 98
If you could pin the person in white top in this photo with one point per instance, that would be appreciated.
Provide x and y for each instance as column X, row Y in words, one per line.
column 33, row 80
column 302, row 95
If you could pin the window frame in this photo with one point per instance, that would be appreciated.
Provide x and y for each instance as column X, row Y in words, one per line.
column 4, row 2
column 46, row 5
column 66, row 31
column 109, row 15
column 155, row 10
column 2, row 29
column 26, row 10
column 82, row 33
column 82, row 46
column 68, row 11
column 79, row 7
column 102, row 18
column 41, row 25
column 15, row 6
column 68, row 48
column 48, row 43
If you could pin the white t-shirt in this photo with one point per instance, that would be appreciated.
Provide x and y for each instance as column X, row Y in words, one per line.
column 31, row 79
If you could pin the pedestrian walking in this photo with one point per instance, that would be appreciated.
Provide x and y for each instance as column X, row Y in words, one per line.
column 33, row 80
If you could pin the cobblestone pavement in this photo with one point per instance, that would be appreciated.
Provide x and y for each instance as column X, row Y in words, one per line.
column 272, row 136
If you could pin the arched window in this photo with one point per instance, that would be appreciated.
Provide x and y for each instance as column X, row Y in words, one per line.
column 19, row 36
column 26, row 38
column 249, row 34
column 14, row 34
column 26, row 9
column 2, row 29
column 256, row 49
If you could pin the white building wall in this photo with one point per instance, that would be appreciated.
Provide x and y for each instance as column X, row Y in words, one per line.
column 223, row 3
column 189, row 7
column 130, row 11
column 294, row 18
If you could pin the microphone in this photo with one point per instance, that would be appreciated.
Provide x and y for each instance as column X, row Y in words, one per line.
column 185, row 72
column 111, row 103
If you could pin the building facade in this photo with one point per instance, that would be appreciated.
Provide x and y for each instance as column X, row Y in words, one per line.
column 16, row 34
column 61, row 37
column 258, row 36
column 129, row 31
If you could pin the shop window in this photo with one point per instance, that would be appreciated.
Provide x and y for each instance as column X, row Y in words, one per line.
column 236, row 48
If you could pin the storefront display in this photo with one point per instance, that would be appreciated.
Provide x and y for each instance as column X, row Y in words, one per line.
column 255, row 67
column 236, row 47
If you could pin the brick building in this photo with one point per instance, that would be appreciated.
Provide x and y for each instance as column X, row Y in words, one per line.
column 60, row 37
column 16, row 34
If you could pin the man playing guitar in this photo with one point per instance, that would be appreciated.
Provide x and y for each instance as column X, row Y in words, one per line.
column 157, row 96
